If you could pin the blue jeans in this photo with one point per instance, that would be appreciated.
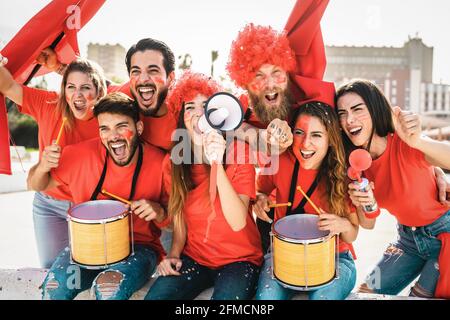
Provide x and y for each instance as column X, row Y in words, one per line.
column 50, row 227
column 415, row 253
column 65, row 280
column 339, row 289
column 234, row 281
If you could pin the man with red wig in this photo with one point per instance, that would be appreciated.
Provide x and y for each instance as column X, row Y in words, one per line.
column 259, row 62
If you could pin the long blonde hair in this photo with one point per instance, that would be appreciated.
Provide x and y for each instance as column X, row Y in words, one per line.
column 332, row 171
column 94, row 72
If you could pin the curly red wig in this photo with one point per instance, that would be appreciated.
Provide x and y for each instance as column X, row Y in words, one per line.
column 187, row 87
column 255, row 46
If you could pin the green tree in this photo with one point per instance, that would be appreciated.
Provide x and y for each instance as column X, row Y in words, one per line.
column 214, row 56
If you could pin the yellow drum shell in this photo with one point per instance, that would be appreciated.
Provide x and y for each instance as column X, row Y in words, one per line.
column 98, row 243
column 303, row 263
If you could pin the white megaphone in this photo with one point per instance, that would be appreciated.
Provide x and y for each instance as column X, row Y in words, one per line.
column 223, row 112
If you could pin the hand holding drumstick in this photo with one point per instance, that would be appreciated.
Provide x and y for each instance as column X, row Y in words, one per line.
column 263, row 205
column 144, row 209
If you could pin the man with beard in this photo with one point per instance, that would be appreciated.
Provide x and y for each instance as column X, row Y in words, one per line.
column 123, row 165
column 151, row 64
column 260, row 60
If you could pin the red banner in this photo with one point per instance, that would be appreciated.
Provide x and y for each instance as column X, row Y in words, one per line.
column 55, row 25
column 305, row 37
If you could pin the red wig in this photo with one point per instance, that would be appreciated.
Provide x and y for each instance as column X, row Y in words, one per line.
column 255, row 46
column 187, row 87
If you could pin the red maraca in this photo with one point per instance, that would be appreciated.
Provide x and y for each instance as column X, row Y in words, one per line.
column 361, row 160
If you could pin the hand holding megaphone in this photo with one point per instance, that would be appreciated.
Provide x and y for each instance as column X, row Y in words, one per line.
column 223, row 112
column 214, row 146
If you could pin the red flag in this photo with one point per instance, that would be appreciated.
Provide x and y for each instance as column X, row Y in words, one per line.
column 305, row 37
column 55, row 25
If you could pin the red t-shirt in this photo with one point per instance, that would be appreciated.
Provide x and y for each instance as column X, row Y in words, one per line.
column 281, row 182
column 80, row 170
column 405, row 184
column 41, row 105
column 223, row 245
column 157, row 130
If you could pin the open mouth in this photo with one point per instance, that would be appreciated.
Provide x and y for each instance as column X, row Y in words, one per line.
column 272, row 97
column 119, row 149
column 355, row 131
column 146, row 92
column 79, row 105
column 307, row 154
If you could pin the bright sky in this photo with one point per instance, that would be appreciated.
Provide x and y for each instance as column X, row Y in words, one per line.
column 199, row 26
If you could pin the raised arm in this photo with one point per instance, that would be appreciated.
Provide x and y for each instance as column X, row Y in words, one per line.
column 408, row 127
column 8, row 86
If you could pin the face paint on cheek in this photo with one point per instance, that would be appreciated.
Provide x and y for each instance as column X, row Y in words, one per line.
column 128, row 134
column 363, row 117
column 257, row 85
column 90, row 97
column 133, row 80
column 158, row 80
column 299, row 139
column 281, row 79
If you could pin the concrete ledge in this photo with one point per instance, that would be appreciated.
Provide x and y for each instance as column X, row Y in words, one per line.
column 24, row 284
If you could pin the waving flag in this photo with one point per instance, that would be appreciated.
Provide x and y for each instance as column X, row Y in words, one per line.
column 56, row 25
column 305, row 37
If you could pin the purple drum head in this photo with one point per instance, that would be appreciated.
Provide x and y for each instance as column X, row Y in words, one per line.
column 299, row 227
column 97, row 210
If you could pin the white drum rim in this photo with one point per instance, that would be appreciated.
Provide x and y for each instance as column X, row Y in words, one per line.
column 118, row 216
column 299, row 241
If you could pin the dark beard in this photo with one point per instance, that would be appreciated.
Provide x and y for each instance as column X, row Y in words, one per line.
column 267, row 114
column 133, row 147
column 161, row 98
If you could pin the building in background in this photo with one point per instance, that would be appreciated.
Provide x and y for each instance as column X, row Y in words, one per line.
column 404, row 73
column 111, row 58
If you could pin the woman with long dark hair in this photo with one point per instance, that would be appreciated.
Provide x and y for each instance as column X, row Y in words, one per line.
column 405, row 185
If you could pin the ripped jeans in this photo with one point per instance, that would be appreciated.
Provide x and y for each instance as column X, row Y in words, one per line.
column 415, row 253
column 66, row 280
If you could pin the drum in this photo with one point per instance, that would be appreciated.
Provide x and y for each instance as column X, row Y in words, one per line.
column 303, row 257
column 99, row 233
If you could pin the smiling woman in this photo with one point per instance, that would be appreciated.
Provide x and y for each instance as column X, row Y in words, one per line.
column 82, row 85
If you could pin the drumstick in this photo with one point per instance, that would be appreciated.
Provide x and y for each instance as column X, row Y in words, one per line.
column 309, row 200
column 116, row 197
column 276, row 205
column 61, row 130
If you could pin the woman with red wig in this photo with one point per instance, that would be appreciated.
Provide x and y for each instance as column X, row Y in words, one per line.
column 215, row 242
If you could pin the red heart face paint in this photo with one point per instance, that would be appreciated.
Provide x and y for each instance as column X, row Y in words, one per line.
column 158, row 80
column 310, row 145
column 127, row 134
